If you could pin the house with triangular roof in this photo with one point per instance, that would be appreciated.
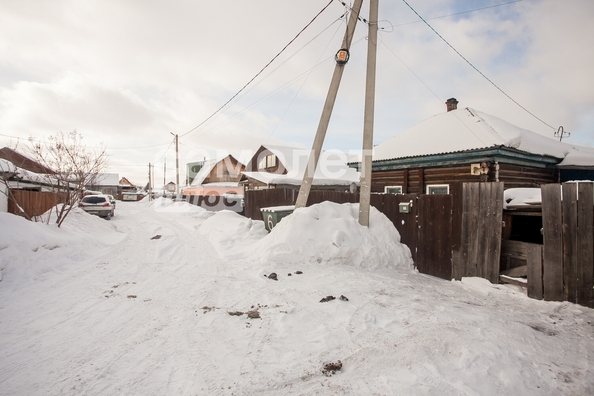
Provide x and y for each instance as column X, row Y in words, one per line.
column 468, row 145
column 22, row 161
column 217, row 177
column 284, row 167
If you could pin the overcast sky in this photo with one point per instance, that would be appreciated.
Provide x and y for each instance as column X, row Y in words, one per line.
column 128, row 74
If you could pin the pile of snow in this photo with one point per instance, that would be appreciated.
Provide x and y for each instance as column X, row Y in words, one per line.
column 330, row 233
column 168, row 205
column 29, row 250
column 232, row 234
column 521, row 197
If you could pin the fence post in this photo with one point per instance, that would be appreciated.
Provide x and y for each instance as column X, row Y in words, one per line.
column 553, row 242
column 585, row 245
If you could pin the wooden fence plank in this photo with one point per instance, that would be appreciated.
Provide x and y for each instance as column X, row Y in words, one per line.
column 475, row 233
column 553, row 243
column 570, row 259
column 534, row 261
column 460, row 260
column 585, row 245
column 495, row 215
column 483, row 230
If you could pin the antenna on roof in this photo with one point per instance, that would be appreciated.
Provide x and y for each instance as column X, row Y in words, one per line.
column 561, row 133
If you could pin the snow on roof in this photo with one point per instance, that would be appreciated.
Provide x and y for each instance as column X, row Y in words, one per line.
column 583, row 157
column 208, row 166
column 521, row 197
column 7, row 166
column 204, row 171
column 468, row 129
column 331, row 170
column 107, row 179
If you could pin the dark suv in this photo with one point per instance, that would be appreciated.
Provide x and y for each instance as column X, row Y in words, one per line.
column 99, row 205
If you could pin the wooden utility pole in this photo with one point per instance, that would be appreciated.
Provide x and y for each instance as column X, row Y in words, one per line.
column 314, row 156
column 176, row 165
column 366, row 161
column 150, row 183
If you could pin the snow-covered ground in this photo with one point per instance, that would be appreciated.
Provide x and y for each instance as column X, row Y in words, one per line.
column 171, row 300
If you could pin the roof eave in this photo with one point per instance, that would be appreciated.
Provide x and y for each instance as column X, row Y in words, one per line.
column 501, row 154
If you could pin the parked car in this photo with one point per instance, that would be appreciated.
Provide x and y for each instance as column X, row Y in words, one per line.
column 113, row 202
column 99, row 205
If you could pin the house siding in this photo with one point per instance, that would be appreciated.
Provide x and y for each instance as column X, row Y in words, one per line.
column 224, row 172
column 414, row 181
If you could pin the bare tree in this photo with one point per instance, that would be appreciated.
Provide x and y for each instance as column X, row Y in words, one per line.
column 75, row 167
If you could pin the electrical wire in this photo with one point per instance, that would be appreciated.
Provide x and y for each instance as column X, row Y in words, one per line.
column 461, row 13
column 214, row 127
column 429, row 88
column 260, row 72
column 475, row 68
column 93, row 147
column 302, row 84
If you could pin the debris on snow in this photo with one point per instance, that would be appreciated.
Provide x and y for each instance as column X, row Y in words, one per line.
column 331, row 368
column 253, row 314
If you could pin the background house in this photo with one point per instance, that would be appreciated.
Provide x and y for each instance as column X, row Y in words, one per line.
column 217, row 177
column 467, row 145
column 106, row 183
column 284, row 167
column 29, row 189
column 22, row 161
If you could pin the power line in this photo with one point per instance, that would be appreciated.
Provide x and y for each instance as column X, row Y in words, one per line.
column 475, row 68
column 93, row 147
column 307, row 72
column 260, row 72
column 460, row 13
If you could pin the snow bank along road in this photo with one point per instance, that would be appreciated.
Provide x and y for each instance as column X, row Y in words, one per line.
column 155, row 302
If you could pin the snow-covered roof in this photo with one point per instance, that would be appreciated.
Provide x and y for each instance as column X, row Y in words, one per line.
column 468, row 129
column 107, row 179
column 7, row 166
column 23, row 175
column 204, row 171
column 208, row 166
column 331, row 169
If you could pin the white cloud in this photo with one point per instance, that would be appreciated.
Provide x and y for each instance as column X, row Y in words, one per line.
column 130, row 73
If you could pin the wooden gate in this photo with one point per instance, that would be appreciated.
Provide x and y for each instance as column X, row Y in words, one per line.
column 434, row 234
column 568, row 257
column 478, row 231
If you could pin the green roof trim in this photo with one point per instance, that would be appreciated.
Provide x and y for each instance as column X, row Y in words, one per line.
column 503, row 155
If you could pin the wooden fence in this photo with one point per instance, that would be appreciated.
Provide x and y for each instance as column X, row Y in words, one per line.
column 440, row 230
column 568, row 255
column 33, row 203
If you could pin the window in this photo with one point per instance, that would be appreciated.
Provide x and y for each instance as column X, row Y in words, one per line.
column 438, row 189
column 267, row 162
column 393, row 189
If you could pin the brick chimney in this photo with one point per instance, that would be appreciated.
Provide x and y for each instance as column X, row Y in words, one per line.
column 452, row 104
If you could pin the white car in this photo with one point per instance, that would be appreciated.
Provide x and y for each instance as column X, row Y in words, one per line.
column 99, row 205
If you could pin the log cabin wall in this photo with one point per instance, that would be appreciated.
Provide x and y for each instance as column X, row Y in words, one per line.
column 521, row 176
column 414, row 180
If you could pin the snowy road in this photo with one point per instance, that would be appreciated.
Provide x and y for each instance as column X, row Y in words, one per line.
column 140, row 305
